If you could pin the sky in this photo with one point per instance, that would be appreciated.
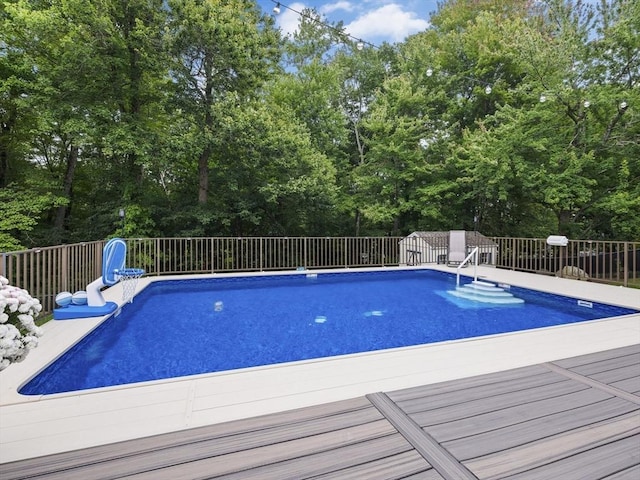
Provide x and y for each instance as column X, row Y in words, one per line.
column 374, row 21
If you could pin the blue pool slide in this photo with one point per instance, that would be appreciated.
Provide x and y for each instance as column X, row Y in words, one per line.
column 114, row 256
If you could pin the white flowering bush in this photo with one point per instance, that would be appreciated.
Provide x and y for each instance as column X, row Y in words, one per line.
column 18, row 331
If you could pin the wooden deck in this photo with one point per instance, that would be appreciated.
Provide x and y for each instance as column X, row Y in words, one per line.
column 577, row 418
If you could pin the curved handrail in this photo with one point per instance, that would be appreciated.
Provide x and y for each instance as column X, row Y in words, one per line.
column 475, row 266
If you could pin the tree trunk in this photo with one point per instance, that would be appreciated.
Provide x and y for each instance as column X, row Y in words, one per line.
column 67, row 187
column 203, row 176
column 5, row 131
column 203, row 161
column 4, row 166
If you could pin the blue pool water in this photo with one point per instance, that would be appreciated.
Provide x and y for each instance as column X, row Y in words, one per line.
column 187, row 327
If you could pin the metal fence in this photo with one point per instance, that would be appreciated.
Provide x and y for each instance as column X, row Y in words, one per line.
column 49, row 270
column 603, row 261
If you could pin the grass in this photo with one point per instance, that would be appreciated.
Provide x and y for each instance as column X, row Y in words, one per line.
column 43, row 319
column 634, row 283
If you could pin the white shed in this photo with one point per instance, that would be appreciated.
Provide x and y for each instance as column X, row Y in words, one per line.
column 432, row 247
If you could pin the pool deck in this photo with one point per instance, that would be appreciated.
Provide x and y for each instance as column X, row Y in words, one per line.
column 509, row 405
column 570, row 419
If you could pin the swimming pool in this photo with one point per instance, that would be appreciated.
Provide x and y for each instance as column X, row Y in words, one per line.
column 187, row 327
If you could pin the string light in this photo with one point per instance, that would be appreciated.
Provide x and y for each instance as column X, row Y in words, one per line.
column 487, row 89
column 360, row 44
column 585, row 104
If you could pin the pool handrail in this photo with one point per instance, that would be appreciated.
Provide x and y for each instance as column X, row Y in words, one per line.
column 474, row 253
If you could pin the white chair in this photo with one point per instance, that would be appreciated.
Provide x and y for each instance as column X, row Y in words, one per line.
column 457, row 247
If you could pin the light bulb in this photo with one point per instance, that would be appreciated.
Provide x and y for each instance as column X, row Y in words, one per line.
column 543, row 98
column 276, row 9
column 429, row 72
column 360, row 45
column 488, row 90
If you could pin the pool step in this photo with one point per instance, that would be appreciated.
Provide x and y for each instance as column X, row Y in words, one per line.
column 485, row 292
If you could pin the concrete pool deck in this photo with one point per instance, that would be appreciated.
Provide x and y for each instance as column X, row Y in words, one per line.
column 36, row 426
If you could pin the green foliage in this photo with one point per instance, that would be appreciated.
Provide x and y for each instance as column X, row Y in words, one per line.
column 20, row 212
column 197, row 118
column 272, row 177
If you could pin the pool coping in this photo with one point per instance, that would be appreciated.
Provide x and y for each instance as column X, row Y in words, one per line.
column 38, row 425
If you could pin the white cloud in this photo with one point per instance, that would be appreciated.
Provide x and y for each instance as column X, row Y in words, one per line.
column 334, row 7
column 289, row 20
column 389, row 21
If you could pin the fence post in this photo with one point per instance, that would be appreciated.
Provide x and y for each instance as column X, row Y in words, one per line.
column 64, row 274
column 305, row 249
column 261, row 258
column 625, row 267
column 346, row 263
column 156, row 256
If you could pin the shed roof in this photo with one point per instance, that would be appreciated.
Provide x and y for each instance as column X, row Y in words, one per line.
column 473, row 239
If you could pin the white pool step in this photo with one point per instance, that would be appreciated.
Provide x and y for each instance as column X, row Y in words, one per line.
column 485, row 292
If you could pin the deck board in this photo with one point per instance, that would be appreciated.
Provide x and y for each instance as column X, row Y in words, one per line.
column 284, row 462
column 631, row 473
column 623, row 454
column 631, row 385
column 605, row 355
column 463, row 396
column 354, row 458
column 544, row 453
column 589, row 367
column 617, row 375
column 577, row 418
column 512, row 415
column 445, row 463
column 499, row 403
column 525, row 374
column 226, row 435
column 407, row 465
column 538, row 429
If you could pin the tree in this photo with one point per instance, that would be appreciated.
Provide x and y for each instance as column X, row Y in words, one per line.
column 196, row 118
column 20, row 211
column 271, row 180
column 329, row 84
column 395, row 164
column 223, row 47
column 92, row 86
column 15, row 75
column 437, row 90
column 548, row 162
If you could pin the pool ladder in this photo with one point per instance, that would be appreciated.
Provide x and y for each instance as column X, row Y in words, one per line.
column 474, row 253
